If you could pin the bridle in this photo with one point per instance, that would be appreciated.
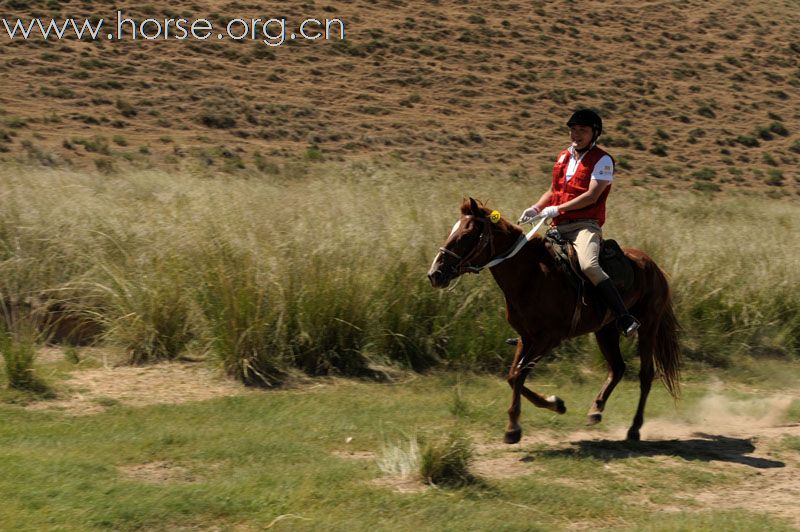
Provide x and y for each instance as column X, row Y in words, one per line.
column 463, row 266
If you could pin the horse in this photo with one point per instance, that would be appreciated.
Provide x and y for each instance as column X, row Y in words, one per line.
column 541, row 306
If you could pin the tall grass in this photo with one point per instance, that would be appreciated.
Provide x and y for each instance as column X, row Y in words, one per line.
column 447, row 462
column 18, row 349
column 326, row 273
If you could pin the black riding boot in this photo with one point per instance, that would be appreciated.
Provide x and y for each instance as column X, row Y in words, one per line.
column 626, row 323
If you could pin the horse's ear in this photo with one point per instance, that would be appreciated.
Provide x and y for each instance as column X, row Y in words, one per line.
column 465, row 207
column 474, row 208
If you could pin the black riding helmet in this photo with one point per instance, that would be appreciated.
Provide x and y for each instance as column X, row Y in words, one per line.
column 587, row 117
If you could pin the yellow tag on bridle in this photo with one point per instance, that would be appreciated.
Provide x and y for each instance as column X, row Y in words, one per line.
column 495, row 217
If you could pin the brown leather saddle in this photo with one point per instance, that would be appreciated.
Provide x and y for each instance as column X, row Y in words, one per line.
column 612, row 259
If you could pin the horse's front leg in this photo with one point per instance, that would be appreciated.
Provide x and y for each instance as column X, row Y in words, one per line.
column 525, row 358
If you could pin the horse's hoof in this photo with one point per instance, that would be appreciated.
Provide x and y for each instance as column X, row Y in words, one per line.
column 513, row 436
column 633, row 435
column 558, row 404
column 594, row 419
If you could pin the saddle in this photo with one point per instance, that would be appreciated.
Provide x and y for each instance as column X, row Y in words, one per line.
column 612, row 259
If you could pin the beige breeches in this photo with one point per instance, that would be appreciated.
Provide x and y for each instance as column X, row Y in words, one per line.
column 585, row 235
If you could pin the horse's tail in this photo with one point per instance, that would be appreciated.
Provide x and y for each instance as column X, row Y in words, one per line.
column 667, row 354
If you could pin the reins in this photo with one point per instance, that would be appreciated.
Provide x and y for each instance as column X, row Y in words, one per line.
column 484, row 239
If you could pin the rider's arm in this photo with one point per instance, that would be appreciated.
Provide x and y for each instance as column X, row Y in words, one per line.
column 544, row 201
column 596, row 187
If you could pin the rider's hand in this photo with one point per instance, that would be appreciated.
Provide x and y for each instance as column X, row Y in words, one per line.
column 528, row 214
column 550, row 212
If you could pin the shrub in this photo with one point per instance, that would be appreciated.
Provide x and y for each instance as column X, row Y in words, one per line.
column 779, row 129
column 769, row 159
column 659, row 149
column 747, row 140
column 704, row 174
column 313, row 153
column 706, row 111
column 775, row 177
column 705, row 186
column 19, row 351
column 764, row 133
column 218, row 119
column 447, row 463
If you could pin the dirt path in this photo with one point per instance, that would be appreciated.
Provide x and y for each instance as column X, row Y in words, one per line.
column 744, row 442
column 92, row 391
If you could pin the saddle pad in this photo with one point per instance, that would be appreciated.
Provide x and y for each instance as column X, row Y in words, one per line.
column 616, row 265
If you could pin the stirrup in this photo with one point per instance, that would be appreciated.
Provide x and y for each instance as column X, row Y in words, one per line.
column 628, row 325
column 512, row 341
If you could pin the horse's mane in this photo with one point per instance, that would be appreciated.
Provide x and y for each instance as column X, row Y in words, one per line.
column 537, row 243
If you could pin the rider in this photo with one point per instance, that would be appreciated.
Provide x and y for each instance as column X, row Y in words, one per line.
column 576, row 202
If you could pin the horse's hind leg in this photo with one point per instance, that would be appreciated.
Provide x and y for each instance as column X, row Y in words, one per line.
column 608, row 340
column 646, row 373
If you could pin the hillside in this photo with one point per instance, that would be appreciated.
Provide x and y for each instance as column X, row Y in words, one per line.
column 694, row 94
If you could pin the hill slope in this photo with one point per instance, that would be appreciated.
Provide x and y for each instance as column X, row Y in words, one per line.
column 694, row 93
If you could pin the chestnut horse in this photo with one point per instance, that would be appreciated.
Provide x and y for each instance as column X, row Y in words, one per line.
column 541, row 304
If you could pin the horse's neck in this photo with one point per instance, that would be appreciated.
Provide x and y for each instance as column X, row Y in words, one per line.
column 523, row 268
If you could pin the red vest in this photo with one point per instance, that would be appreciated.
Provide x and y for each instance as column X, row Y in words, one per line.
column 564, row 191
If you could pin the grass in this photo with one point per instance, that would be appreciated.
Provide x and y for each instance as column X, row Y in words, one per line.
column 415, row 120
column 326, row 274
column 246, row 461
column 401, row 458
column 447, row 462
column 19, row 351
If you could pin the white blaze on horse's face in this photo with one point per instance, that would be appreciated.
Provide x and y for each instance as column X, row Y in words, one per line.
column 455, row 228
column 452, row 232
column 434, row 265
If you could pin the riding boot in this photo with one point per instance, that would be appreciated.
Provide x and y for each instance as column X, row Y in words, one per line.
column 626, row 323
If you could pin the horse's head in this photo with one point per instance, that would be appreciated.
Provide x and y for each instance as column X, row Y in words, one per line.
column 469, row 246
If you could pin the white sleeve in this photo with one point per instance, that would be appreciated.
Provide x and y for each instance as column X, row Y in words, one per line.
column 604, row 169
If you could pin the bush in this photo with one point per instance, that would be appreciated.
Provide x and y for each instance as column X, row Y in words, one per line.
column 775, row 177
column 447, row 463
column 19, row 352
column 704, row 174
column 706, row 111
column 218, row 119
column 747, row 140
column 779, row 129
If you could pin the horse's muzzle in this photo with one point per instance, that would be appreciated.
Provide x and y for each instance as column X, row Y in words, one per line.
column 438, row 279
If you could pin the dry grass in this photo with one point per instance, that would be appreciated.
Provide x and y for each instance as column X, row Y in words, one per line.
column 682, row 86
column 326, row 274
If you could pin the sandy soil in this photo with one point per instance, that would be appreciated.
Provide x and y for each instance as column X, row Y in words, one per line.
column 743, row 439
column 91, row 391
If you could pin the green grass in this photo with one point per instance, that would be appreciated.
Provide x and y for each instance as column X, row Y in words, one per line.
column 246, row 461
column 18, row 351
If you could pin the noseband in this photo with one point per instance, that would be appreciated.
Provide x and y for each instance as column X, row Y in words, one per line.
column 462, row 266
